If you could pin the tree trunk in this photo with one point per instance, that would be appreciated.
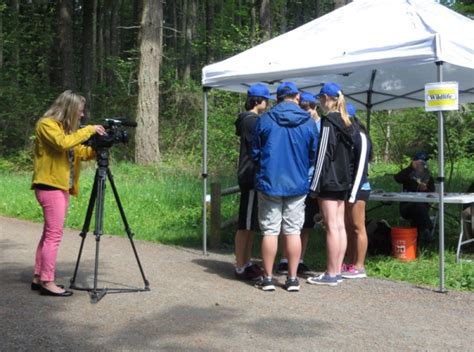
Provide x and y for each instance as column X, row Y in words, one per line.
column 15, row 9
column 238, row 22
column 88, row 47
column 253, row 22
column 175, row 36
column 340, row 3
column 147, row 150
column 386, row 153
column 137, row 11
column 114, row 31
column 317, row 9
column 66, row 44
column 283, row 15
column 1, row 40
column 101, row 12
column 106, row 29
column 190, row 35
column 209, row 31
column 265, row 20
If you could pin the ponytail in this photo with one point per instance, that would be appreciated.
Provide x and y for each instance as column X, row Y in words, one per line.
column 341, row 107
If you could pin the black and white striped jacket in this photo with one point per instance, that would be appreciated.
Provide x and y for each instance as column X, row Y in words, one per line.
column 334, row 166
column 362, row 151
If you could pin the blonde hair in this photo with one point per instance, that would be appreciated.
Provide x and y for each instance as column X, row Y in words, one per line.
column 65, row 109
column 341, row 107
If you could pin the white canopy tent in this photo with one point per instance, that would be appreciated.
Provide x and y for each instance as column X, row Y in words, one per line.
column 381, row 52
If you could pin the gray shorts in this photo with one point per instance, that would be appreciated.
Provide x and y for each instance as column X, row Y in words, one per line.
column 280, row 214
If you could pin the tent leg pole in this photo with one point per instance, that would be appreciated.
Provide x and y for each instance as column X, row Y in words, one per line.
column 441, row 186
column 369, row 113
column 369, row 98
column 204, row 174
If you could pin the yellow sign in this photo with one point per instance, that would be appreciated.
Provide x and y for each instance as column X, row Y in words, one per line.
column 441, row 96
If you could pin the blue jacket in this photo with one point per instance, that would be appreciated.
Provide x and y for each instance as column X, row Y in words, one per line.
column 284, row 148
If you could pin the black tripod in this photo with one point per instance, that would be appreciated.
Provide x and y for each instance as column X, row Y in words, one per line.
column 97, row 198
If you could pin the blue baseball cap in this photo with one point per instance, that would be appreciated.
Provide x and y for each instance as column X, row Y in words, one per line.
column 259, row 90
column 287, row 88
column 307, row 97
column 421, row 155
column 351, row 110
column 331, row 89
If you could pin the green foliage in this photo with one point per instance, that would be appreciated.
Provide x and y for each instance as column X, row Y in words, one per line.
column 398, row 134
column 164, row 204
column 424, row 271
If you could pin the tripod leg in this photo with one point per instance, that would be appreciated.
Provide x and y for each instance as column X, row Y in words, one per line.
column 85, row 227
column 99, row 226
column 127, row 228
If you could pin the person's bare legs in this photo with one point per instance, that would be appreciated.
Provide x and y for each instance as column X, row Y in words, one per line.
column 336, row 240
column 293, row 251
column 281, row 244
column 342, row 235
column 351, row 240
column 249, row 247
column 269, row 250
column 304, row 241
column 243, row 247
column 359, row 233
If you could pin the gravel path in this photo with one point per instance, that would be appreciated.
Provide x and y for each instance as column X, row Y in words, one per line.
column 196, row 305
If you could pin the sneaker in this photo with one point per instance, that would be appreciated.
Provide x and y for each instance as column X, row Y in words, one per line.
column 292, row 285
column 303, row 269
column 339, row 278
column 254, row 271
column 265, row 283
column 282, row 268
column 323, row 279
column 352, row 272
column 251, row 273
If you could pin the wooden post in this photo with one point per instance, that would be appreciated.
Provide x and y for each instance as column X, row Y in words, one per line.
column 215, row 239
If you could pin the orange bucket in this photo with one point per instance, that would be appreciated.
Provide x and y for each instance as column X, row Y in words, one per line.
column 404, row 243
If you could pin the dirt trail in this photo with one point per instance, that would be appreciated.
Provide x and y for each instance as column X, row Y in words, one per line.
column 196, row 305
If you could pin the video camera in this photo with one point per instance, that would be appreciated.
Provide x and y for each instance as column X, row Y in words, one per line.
column 114, row 134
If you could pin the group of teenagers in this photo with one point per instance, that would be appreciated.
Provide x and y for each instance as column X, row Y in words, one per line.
column 294, row 168
column 293, row 164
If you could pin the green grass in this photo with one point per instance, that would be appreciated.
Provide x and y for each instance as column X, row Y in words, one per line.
column 163, row 204
column 160, row 204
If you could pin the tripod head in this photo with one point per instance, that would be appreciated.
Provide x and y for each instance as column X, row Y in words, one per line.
column 102, row 156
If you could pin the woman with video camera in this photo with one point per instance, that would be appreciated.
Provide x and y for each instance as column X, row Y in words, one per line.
column 58, row 152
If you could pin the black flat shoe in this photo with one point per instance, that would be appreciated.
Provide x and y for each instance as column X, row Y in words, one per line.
column 37, row 287
column 46, row 292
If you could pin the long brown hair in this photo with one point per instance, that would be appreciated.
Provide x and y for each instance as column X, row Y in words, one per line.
column 65, row 109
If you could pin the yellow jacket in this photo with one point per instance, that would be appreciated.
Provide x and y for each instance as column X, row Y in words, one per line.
column 51, row 162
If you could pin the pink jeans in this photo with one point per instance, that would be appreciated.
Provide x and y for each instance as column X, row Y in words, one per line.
column 54, row 204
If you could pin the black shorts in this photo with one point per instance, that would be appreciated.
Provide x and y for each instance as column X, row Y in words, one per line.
column 333, row 195
column 311, row 209
column 363, row 195
column 248, row 210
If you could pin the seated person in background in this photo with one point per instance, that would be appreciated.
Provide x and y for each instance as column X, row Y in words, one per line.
column 417, row 178
column 466, row 213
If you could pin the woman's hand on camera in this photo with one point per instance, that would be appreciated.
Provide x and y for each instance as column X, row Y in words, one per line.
column 100, row 130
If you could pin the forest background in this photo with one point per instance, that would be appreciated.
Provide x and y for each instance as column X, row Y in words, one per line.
column 99, row 48
column 142, row 59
